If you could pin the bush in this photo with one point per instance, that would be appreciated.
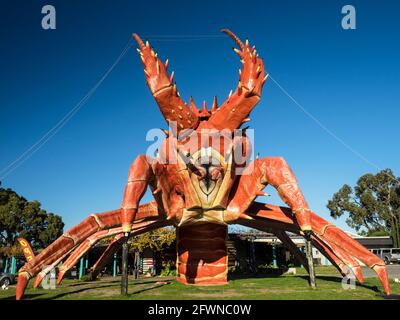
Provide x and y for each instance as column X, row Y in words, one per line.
column 87, row 277
column 168, row 270
column 265, row 268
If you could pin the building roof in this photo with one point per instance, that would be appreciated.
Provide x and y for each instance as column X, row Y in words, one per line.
column 266, row 237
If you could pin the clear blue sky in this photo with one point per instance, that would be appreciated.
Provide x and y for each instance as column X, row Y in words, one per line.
column 348, row 79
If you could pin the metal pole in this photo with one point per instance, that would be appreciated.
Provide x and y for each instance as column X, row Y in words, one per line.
column 6, row 267
column 124, row 278
column 274, row 256
column 136, row 264
column 307, row 237
column 81, row 268
column 115, row 265
column 13, row 265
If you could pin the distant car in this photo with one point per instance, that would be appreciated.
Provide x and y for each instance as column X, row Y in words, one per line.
column 389, row 255
column 6, row 279
column 395, row 255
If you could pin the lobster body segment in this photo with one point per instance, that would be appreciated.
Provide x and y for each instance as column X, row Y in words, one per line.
column 202, row 257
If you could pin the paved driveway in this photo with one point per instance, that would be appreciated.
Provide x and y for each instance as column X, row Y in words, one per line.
column 393, row 271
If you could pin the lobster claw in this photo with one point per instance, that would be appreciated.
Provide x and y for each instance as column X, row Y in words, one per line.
column 236, row 109
column 164, row 89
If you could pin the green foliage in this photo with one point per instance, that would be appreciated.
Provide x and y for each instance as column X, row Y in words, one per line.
column 265, row 268
column 22, row 218
column 168, row 270
column 87, row 277
column 376, row 233
column 373, row 205
column 106, row 240
column 155, row 240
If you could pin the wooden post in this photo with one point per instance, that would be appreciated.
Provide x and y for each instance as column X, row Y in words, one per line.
column 310, row 259
column 136, row 264
column 124, row 278
column 253, row 256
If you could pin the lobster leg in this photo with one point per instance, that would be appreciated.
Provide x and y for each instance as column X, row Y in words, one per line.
column 106, row 256
column 337, row 260
column 148, row 210
column 343, row 246
column 48, row 269
column 140, row 175
column 274, row 171
column 84, row 247
column 92, row 240
column 285, row 239
column 281, row 177
column 336, row 244
column 66, row 243
column 145, row 210
column 328, row 253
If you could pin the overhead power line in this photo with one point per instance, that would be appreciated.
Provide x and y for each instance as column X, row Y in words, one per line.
column 60, row 124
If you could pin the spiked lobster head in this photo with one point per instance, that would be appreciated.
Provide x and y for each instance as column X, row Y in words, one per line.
column 208, row 158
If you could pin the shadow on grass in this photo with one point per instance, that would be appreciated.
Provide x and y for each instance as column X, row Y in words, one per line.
column 390, row 296
column 115, row 284
column 42, row 296
column 115, row 281
column 335, row 279
column 251, row 276
column 150, row 281
column 339, row 280
column 27, row 296
column 148, row 289
column 108, row 284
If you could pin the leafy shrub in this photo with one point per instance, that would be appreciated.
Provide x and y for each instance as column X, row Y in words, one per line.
column 168, row 270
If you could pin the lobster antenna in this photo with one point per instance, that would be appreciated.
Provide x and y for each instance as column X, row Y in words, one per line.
column 234, row 37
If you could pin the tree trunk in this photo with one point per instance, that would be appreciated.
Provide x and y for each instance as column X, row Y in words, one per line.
column 396, row 232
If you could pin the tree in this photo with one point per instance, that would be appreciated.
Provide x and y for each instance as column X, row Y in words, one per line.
column 22, row 218
column 157, row 239
column 373, row 207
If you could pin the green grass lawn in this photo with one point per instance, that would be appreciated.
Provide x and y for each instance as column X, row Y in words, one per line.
column 293, row 287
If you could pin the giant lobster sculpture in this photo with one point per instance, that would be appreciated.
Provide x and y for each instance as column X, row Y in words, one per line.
column 197, row 189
